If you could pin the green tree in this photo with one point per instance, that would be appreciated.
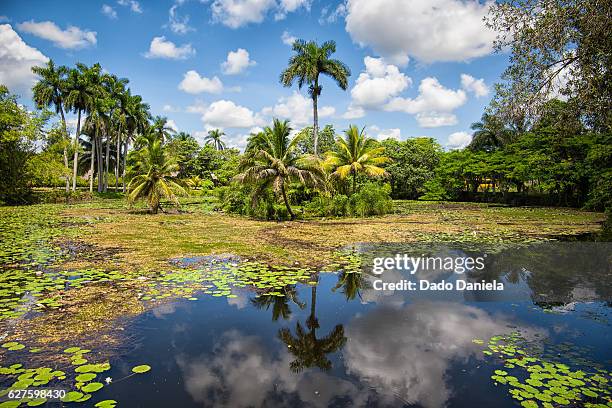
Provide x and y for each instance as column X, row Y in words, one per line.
column 137, row 120
column 413, row 163
column 490, row 134
column 327, row 138
column 356, row 154
column 51, row 90
column 161, row 128
column 271, row 161
column 185, row 148
column 155, row 178
column 306, row 65
column 214, row 139
column 556, row 47
column 83, row 89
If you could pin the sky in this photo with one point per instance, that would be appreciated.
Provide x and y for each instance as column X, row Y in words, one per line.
column 418, row 67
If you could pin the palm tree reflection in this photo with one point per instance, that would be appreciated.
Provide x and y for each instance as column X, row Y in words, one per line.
column 308, row 349
column 351, row 284
column 280, row 304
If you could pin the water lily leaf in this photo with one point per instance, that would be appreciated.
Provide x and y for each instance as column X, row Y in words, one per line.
column 106, row 404
column 141, row 369
column 85, row 377
column 92, row 387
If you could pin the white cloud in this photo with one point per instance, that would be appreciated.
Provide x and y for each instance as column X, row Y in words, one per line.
column 458, row 140
column 287, row 38
column 433, row 106
column 237, row 61
column 429, row 30
column 170, row 108
column 71, row 38
column 197, row 107
column 378, row 83
column 172, row 125
column 224, row 113
column 16, row 61
column 162, row 48
column 353, row 112
column 297, row 108
column 178, row 25
column 193, row 83
column 476, row 86
column 134, row 5
column 108, row 11
column 331, row 16
column 289, row 6
column 382, row 134
column 236, row 13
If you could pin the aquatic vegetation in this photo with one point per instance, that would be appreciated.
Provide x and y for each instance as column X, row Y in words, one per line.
column 536, row 381
column 79, row 382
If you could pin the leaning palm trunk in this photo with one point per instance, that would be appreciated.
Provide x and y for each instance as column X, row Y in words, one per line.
column 91, row 163
column 65, row 128
column 76, row 151
column 284, row 194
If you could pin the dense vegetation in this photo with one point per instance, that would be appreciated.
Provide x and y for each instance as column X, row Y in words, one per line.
column 541, row 141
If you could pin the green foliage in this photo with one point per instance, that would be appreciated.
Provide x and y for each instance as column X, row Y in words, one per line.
column 214, row 139
column 154, row 179
column 413, row 163
column 371, row 199
column 327, row 138
column 356, row 154
column 184, row 149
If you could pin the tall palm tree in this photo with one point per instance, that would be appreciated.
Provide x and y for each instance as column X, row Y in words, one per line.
column 308, row 349
column 271, row 160
column 356, row 154
column 96, row 124
column 214, row 139
column 51, row 90
column 155, row 177
column 306, row 65
column 83, row 89
column 116, row 89
column 161, row 129
column 489, row 134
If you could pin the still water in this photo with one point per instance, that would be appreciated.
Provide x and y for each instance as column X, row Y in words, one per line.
column 341, row 343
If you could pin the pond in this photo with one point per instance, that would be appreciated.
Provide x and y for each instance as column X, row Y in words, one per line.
column 335, row 340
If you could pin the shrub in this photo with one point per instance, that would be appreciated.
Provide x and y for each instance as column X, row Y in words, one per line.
column 371, row 199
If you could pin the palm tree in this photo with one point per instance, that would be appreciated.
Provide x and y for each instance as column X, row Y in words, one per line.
column 351, row 283
column 306, row 65
column 489, row 134
column 155, row 177
column 51, row 90
column 137, row 120
column 96, row 124
column 356, row 154
column 270, row 160
column 214, row 139
column 310, row 351
column 161, row 129
column 116, row 89
column 83, row 89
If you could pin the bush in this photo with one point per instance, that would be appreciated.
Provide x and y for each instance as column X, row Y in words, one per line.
column 371, row 199
column 236, row 199
column 61, row 196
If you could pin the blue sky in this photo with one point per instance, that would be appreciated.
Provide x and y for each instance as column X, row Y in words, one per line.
column 419, row 68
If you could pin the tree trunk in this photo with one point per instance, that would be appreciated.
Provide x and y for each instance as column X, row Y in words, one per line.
column 118, row 147
column 286, row 201
column 76, row 151
column 106, row 159
column 91, row 162
column 100, row 167
column 315, row 127
column 67, row 136
column 354, row 181
column 125, row 149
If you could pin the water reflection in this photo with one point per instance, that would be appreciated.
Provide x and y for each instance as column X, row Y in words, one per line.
column 280, row 304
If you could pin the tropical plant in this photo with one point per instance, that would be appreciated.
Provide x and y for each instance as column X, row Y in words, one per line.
column 155, row 177
column 306, row 65
column 280, row 304
column 83, row 89
column 51, row 90
column 270, row 160
column 490, row 134
column 214, row 139
column 356, row 154
column 96, row 124
column 161, row 128
column 137, row 120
